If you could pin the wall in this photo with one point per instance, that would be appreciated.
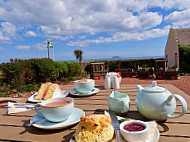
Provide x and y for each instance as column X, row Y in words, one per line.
column 172, row 48
column 83, row 66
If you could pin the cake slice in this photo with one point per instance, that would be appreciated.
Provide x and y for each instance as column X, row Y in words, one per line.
column 48, row 90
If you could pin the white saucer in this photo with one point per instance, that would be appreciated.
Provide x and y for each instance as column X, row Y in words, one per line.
column 154, row 138
column 32, row 98
column 47, row 125
column 76, row 93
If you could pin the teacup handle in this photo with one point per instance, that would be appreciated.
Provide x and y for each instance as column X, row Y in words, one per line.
column 183, row 102
column 36, row 108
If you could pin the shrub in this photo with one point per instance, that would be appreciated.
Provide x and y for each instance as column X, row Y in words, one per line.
column 112, row 65
column 28, row 87
column 71, row 78
column 29, row 71
column 12, row 73
column 84, row 74
column 73, row 68
column 5, row 87
column 61, row 69
column 184, row 58
column 1, row 76
column 4, row 95
column 18, row 72
column 45, row 70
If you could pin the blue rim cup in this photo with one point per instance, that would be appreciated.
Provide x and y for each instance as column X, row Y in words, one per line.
column 56, row 113
column 84, row 86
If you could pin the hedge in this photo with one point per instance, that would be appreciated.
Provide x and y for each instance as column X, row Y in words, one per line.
column 61, row 69
column 22, row 72
column 184, row 58
column 74, row 68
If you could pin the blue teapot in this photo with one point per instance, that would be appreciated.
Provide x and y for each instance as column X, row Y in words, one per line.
column 157, row 103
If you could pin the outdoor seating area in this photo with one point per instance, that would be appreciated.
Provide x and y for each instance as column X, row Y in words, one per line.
column 149, row 69
column 98, row 70
column 15, row 125
column 94, row 71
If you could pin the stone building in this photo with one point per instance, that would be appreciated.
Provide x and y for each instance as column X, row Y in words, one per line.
column 176, row 37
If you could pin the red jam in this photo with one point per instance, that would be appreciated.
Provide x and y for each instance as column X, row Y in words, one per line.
column 134, row 127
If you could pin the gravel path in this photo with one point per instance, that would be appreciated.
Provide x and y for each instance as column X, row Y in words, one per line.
column 183, row 83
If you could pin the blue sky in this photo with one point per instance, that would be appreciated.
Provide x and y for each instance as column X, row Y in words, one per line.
column 102, row 29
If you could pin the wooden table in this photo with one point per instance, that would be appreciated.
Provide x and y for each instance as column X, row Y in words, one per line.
column 13, row 127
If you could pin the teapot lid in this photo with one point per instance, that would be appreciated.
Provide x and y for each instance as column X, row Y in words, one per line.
column 154, row 88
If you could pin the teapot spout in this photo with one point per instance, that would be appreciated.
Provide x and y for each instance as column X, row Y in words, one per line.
column 139, row 88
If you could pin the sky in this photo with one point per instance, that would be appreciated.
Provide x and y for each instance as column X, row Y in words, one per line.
column 100, row 28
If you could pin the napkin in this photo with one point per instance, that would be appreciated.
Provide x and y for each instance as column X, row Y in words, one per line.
column 152, row 124
column 19, row 107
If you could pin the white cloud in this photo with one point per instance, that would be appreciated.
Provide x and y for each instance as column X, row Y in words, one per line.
column 30, row 34
column 68, row 19
column 122, row 36
column 57, row 37
column 179, row 18
column 176, row 4
column 3, row 38
column 40, row 46
column 8, row 29
column 23, row 47
column 2, row 10
column 82, row 37
column 143, row 5
column 74, row 17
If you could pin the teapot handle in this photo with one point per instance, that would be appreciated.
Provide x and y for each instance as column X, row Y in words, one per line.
column 183, row 102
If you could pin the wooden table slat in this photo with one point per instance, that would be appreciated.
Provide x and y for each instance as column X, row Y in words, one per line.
column 172, row 130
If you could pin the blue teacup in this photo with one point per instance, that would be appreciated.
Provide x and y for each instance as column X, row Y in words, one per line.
column 84, row 86
column 118, row 102
column 56, row 109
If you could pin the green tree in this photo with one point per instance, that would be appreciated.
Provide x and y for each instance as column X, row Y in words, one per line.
column 184, row 58
column 78, row 54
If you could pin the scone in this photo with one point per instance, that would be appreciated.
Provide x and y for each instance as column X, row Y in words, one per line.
column 94, row 128
column 48, row 90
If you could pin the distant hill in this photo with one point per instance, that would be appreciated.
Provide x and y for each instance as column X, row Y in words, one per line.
column 121, row 58
column 115, row 58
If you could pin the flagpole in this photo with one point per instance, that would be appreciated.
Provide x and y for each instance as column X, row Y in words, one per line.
column 48, row 48
column 53, row 53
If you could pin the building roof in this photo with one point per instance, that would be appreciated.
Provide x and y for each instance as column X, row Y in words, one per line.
column 97, row 63
column 183, row 36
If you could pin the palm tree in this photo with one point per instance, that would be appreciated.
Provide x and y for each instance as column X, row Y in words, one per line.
column 78, row 55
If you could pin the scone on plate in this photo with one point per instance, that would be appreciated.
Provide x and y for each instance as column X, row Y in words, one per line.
column 48, row 90
column 94, row 128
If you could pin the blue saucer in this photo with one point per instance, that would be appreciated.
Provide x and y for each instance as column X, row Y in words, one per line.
column 47, row 125
column 74, row 92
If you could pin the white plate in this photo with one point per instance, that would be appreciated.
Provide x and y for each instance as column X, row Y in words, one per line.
column 47, row 125
column 76, row 93
column 32, row 98
column 154, row 138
